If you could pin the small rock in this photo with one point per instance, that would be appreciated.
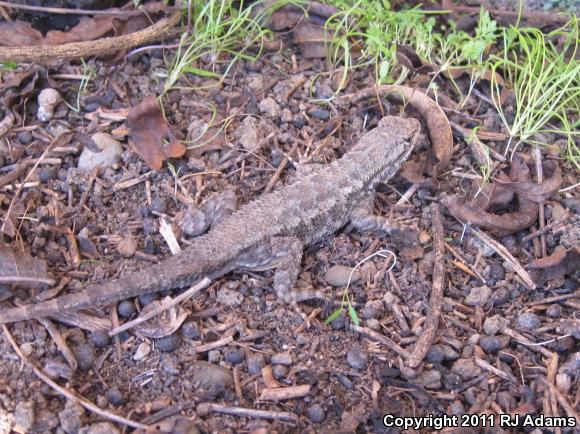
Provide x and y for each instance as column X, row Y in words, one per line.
column 209, row 380
column 282, row 359
column 169, row 343
column 339, row 322
column 127, row 246
column 255, row 363
column 56, row 369
column 214, row 356
column 338, row 275
column 48, row 99
column 234, row 355
column 466, row 369
column 485, row 249
column 286, row 116
column 357, row 358
column 345, row 381
column 46, row 174
column 27, row 348
column 315, row 413
column 279, row 371
column 85, row 355
column 24, row 137
column 496, row 271
column 70, row 417
column 430, row 379
column 494, row 325
column 527, row 322
column 436, row 354
column 190, row 330
column 228, row 298
column 269, row 107
column 100, row 338
column 109, row 153
column 320, row 114
column 115, row 397
column 299, row 121
column 159, row 204
column 142, row 351
column 554, row 311
column 24, row 416
column 564, row 345
column 478, row 296
column 145, row 299
column 126, row 309
column 490, row 344
column 100, row 428
column 449, row 354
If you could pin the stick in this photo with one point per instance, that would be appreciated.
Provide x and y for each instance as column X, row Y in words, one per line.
column 68, row 393
column 164, row 306
column 436, row 301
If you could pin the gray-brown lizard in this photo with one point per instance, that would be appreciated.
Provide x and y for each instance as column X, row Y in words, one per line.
column 269, row 232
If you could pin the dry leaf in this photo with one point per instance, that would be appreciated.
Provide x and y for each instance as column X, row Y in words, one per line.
column 558, row 264
column 150, row 136
column 18, row 268
column 163, row 324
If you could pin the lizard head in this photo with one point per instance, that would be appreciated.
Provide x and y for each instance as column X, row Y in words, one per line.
column 401, row 129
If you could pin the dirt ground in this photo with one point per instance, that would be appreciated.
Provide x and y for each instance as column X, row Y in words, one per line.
column 500, row 347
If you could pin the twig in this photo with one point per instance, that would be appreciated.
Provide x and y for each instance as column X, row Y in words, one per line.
column 570, row 411
column 66, row 392
column 382, row 339
column 68, row 11
column 504, row 253
column 555, row 299
column 498, row 372
column 522, row 340
column 206, row 407
column 75, row 50
column 464, row 262
column 547, row 228
column 164, row 306
column 436, row 300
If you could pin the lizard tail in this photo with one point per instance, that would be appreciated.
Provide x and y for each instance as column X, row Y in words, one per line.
column 165, row 274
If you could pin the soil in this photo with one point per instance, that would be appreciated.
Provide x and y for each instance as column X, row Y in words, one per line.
column 477, row 364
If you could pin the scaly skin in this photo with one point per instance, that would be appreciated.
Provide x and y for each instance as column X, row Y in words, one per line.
column 304, row 212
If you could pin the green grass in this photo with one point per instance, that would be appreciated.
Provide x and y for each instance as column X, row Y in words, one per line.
column 545, row 80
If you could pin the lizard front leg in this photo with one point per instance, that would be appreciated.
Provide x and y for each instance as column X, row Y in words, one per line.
column 363, row 219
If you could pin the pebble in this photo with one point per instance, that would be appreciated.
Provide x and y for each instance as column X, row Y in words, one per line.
column 214, row 356
column 126, row 309
column 338, row 275
column 24, row 416
column 235, row 355
column 299, row 121
column 430, row 379
column 48, row 99
column 229, row 298
column 190, row 330
column 496, row 271
column 357, row 358
column 27, row 348
column 269, row 107
column 209, row 380
column 115, row 397
column 490, row 344
column 286, row 116
column 494, row 325
column 436, row 354
column 527, row 322
column 127, row 246
column 158, row 204
column 485, row 249
column 24, row 137
column 145, row 299
column 339, row 323
column 85, row 355
column 449, row 354
column 56, row 369
column 282, row 359
column 46, row 174
column 478, row 296
column 100, row 428
column 279, row 371
column 169, row 343
column 345, row 381
column 554, row 311
column 315, row 413
column 110, row 153
column 70, row 417
column 100, row 338
column 142, row 351
column 466, row 369
column 320, row 114
column 564, row 345
column 255, row 363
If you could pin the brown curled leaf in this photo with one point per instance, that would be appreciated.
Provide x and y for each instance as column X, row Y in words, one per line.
column 164, row 324
column 18, row 268
column 437, row 123
column 150, row 136
column 498, row 224
column 534, row 191
column 558, row 264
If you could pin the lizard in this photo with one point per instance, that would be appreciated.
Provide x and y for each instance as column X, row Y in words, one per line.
column 270, row 231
